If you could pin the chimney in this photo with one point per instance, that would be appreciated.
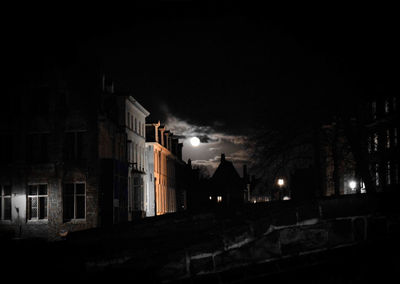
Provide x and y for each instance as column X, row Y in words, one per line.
column 222, row 158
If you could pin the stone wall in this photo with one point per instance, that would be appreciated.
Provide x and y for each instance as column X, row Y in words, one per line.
column 184, row 246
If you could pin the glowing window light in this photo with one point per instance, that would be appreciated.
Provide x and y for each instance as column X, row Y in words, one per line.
column 281, row 182
column 210, row 197
column 286, row 198
column 219, row 198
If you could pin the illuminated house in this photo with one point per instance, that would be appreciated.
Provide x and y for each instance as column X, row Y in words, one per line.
column 134, row 121
column 164, row 155
column 63, row 162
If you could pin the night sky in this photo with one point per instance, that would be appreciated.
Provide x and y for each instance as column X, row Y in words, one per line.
column 217, row 71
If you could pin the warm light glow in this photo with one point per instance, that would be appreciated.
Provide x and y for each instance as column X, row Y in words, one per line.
column 195, row 141
column 286, row 198
column 210, row 197
column 219, row 198
column 281, row 182
column 352, row 184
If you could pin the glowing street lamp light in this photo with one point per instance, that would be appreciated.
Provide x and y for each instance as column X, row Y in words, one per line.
column 353, row 184
column 281, row 182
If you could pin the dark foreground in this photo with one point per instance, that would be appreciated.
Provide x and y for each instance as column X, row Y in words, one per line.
column 367, row 263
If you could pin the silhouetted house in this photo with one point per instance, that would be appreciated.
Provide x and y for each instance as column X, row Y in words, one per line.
column 64, row 164
column 164, row 155
column 227, row 187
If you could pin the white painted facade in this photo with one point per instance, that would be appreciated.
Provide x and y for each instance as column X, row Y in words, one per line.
column 135, row 127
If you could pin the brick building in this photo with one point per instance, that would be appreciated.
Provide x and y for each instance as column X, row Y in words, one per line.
column 63, row 160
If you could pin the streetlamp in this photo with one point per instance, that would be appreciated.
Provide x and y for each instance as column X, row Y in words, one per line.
column 353, row 184
column 280, row 183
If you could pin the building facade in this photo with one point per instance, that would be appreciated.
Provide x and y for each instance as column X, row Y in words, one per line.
column 377, row 143
column 164, row 155
column 63, row 160
column 134, row 122
column 382, row 123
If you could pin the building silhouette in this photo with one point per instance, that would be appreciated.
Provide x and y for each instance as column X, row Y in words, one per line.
column 227, row 187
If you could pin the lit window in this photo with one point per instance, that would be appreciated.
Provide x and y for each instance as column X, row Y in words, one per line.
column 395, row 136
column 377, row 174
column 375, row 141
column 388, row 178
column 388, row 138
column 37, row 202
column 5, row 202
column 219, row 199
column 74, row 201
column 210, row 197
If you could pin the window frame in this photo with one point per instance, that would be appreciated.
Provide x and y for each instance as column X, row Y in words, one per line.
column 38, row 195
column 74, row 219
column 2, row 199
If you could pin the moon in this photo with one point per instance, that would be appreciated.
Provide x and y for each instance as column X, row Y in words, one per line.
column 195, row 141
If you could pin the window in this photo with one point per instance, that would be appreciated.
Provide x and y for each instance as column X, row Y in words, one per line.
column 37, row 148
column 76, row 146
column 373, row 109
column 129, row 150
column 219, row 199
column 396, row 174
column 369, row 144
column 387, row 138
column 37, row 202
column 5, row 202
column 395, row 136
column 386, row 106
column 375, row 141
column 135, row 125
column 128, row 120
column 388, row 179
column 377, row 174
column 74, row 201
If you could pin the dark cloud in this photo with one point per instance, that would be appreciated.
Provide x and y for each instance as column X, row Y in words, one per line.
column 207, row 139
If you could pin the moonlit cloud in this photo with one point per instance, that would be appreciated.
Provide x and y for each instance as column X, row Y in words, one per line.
column 213, row 144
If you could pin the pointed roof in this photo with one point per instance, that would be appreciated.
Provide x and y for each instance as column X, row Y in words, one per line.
column 226, row 172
